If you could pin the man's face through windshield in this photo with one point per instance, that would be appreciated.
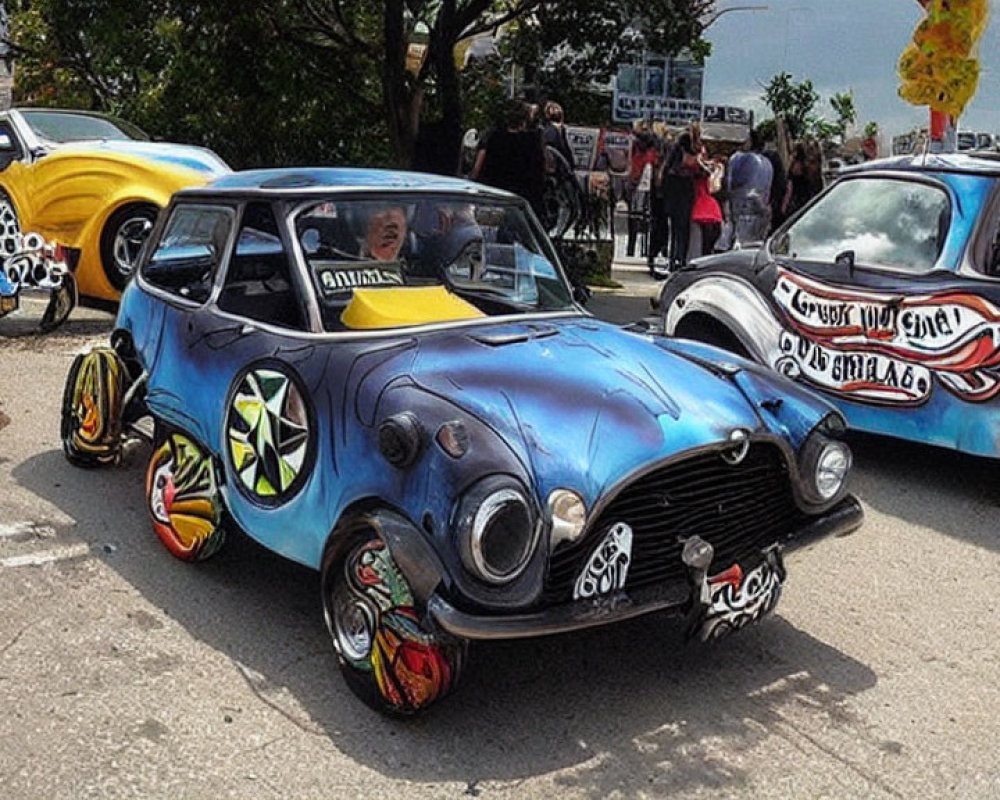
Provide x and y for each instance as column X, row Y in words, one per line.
column 386, row 233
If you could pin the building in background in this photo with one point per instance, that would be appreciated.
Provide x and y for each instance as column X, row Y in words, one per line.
column 670, row 90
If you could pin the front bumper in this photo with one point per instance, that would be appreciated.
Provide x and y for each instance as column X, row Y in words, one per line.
column 672, row 597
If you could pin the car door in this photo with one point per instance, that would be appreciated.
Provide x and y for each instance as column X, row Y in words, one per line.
column 246, row 368
column 877, row 289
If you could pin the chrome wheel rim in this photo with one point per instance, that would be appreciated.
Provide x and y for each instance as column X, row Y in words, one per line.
column 129, row 239
column 353, row 626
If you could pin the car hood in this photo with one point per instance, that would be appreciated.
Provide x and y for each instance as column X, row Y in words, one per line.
column 198, row 159
column 581, row 402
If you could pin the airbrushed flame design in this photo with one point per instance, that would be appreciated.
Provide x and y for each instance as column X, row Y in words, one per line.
column 887, row 347
column 183, row 499
column 412, row 667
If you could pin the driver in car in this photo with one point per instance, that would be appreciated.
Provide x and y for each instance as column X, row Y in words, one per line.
column 385, row 233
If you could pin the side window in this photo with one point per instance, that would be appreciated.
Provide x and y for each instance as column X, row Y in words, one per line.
column 900, row 224
column 258, row 283
column 10, row 150
column 187, row 256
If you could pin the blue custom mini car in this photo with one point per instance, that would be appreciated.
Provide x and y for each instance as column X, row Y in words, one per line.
column 884, row 294
column 385, row 376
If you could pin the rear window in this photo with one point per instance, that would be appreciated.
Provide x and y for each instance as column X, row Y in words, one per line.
column 886, row 222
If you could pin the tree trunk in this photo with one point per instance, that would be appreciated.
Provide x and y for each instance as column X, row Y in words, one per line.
column 402, row 113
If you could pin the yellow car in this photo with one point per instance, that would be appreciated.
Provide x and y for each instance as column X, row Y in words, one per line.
column 91, row 184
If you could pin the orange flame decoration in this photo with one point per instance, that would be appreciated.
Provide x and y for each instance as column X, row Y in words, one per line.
column 939, row 69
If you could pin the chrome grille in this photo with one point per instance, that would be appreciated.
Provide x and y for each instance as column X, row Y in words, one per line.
column 739, row 509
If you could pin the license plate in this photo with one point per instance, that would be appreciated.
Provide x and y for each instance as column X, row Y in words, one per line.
column 740, row 601
column 8, row 303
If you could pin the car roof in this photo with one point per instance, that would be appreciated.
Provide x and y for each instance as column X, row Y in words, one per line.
column 979, row 163
column 308, row 180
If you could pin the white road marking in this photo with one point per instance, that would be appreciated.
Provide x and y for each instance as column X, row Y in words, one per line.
column 25, row 530
column 46, row 556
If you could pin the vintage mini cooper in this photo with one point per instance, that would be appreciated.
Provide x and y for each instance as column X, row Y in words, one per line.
column 384, row 376
column 884, row 294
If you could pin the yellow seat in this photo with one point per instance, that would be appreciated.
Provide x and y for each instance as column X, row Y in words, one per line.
column 403, row 306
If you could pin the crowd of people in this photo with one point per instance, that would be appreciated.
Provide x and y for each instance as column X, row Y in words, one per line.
column 687, row 202
column 683, row 199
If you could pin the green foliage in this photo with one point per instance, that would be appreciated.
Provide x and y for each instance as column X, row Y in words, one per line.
column 871, row 129
column 796, row 103
column 325, row 81
column 792, row 101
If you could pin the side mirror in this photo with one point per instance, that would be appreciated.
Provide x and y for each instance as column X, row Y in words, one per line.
column 581, row 294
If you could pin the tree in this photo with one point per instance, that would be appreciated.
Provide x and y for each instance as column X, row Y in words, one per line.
column 843, row 109
column 272, row 82
column 793, row 102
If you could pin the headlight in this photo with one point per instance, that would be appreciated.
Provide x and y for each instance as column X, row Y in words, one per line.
column 823, row 466
column 832, row 466
column 569, row 515
column 498, row 533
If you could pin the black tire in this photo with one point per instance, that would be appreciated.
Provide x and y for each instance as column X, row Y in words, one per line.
column 91, row 422
column 387, row 655
column 122, row 238
column 61, row 303
column 183, row 498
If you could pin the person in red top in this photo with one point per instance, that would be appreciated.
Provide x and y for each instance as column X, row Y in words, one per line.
column 706, row 212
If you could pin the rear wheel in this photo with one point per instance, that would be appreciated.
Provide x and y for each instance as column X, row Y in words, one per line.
column 183, row 498
column 91, row 423
column 388, row 656
column 122, row 239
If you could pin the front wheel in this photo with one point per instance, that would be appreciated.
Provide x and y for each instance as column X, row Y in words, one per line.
column 122, row 239
column 388, row 656
column 91, row 423
column 183, row 498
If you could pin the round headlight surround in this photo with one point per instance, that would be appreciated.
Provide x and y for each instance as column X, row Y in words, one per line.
column 832, row 466
column 491, row 553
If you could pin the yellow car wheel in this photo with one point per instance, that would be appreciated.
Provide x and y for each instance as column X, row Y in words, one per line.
column 122, row 239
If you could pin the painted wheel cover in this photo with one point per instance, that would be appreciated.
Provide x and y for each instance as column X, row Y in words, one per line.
column 92, row 415
column 183, row 499
column 377, row 630
column 268, row 435
column 10, row 230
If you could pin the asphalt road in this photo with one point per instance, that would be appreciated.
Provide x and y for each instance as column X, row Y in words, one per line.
column 124, row 673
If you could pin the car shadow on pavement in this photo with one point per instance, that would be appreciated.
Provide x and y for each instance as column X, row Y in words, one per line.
column 924, row 485
column 626, row 706
column 23, row 327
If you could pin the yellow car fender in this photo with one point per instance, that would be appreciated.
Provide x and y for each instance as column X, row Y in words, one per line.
column 69, row 196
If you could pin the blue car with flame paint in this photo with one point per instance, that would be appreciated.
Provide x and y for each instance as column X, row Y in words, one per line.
column 883, row 294
column 386, row 377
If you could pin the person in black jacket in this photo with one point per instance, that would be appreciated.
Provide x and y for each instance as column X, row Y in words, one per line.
column 512, row 157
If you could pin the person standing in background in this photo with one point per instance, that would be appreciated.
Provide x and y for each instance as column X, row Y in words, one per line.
column 554, row 132
column 512, row 158
column 749, row 186
column 678, row 197
column 706, row 212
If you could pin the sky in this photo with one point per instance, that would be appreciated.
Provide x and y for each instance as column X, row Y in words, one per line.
column 840, row 45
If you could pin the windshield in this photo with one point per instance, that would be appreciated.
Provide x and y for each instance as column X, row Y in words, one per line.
column 883, row 222
column 483, row 254
column 63, row 126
